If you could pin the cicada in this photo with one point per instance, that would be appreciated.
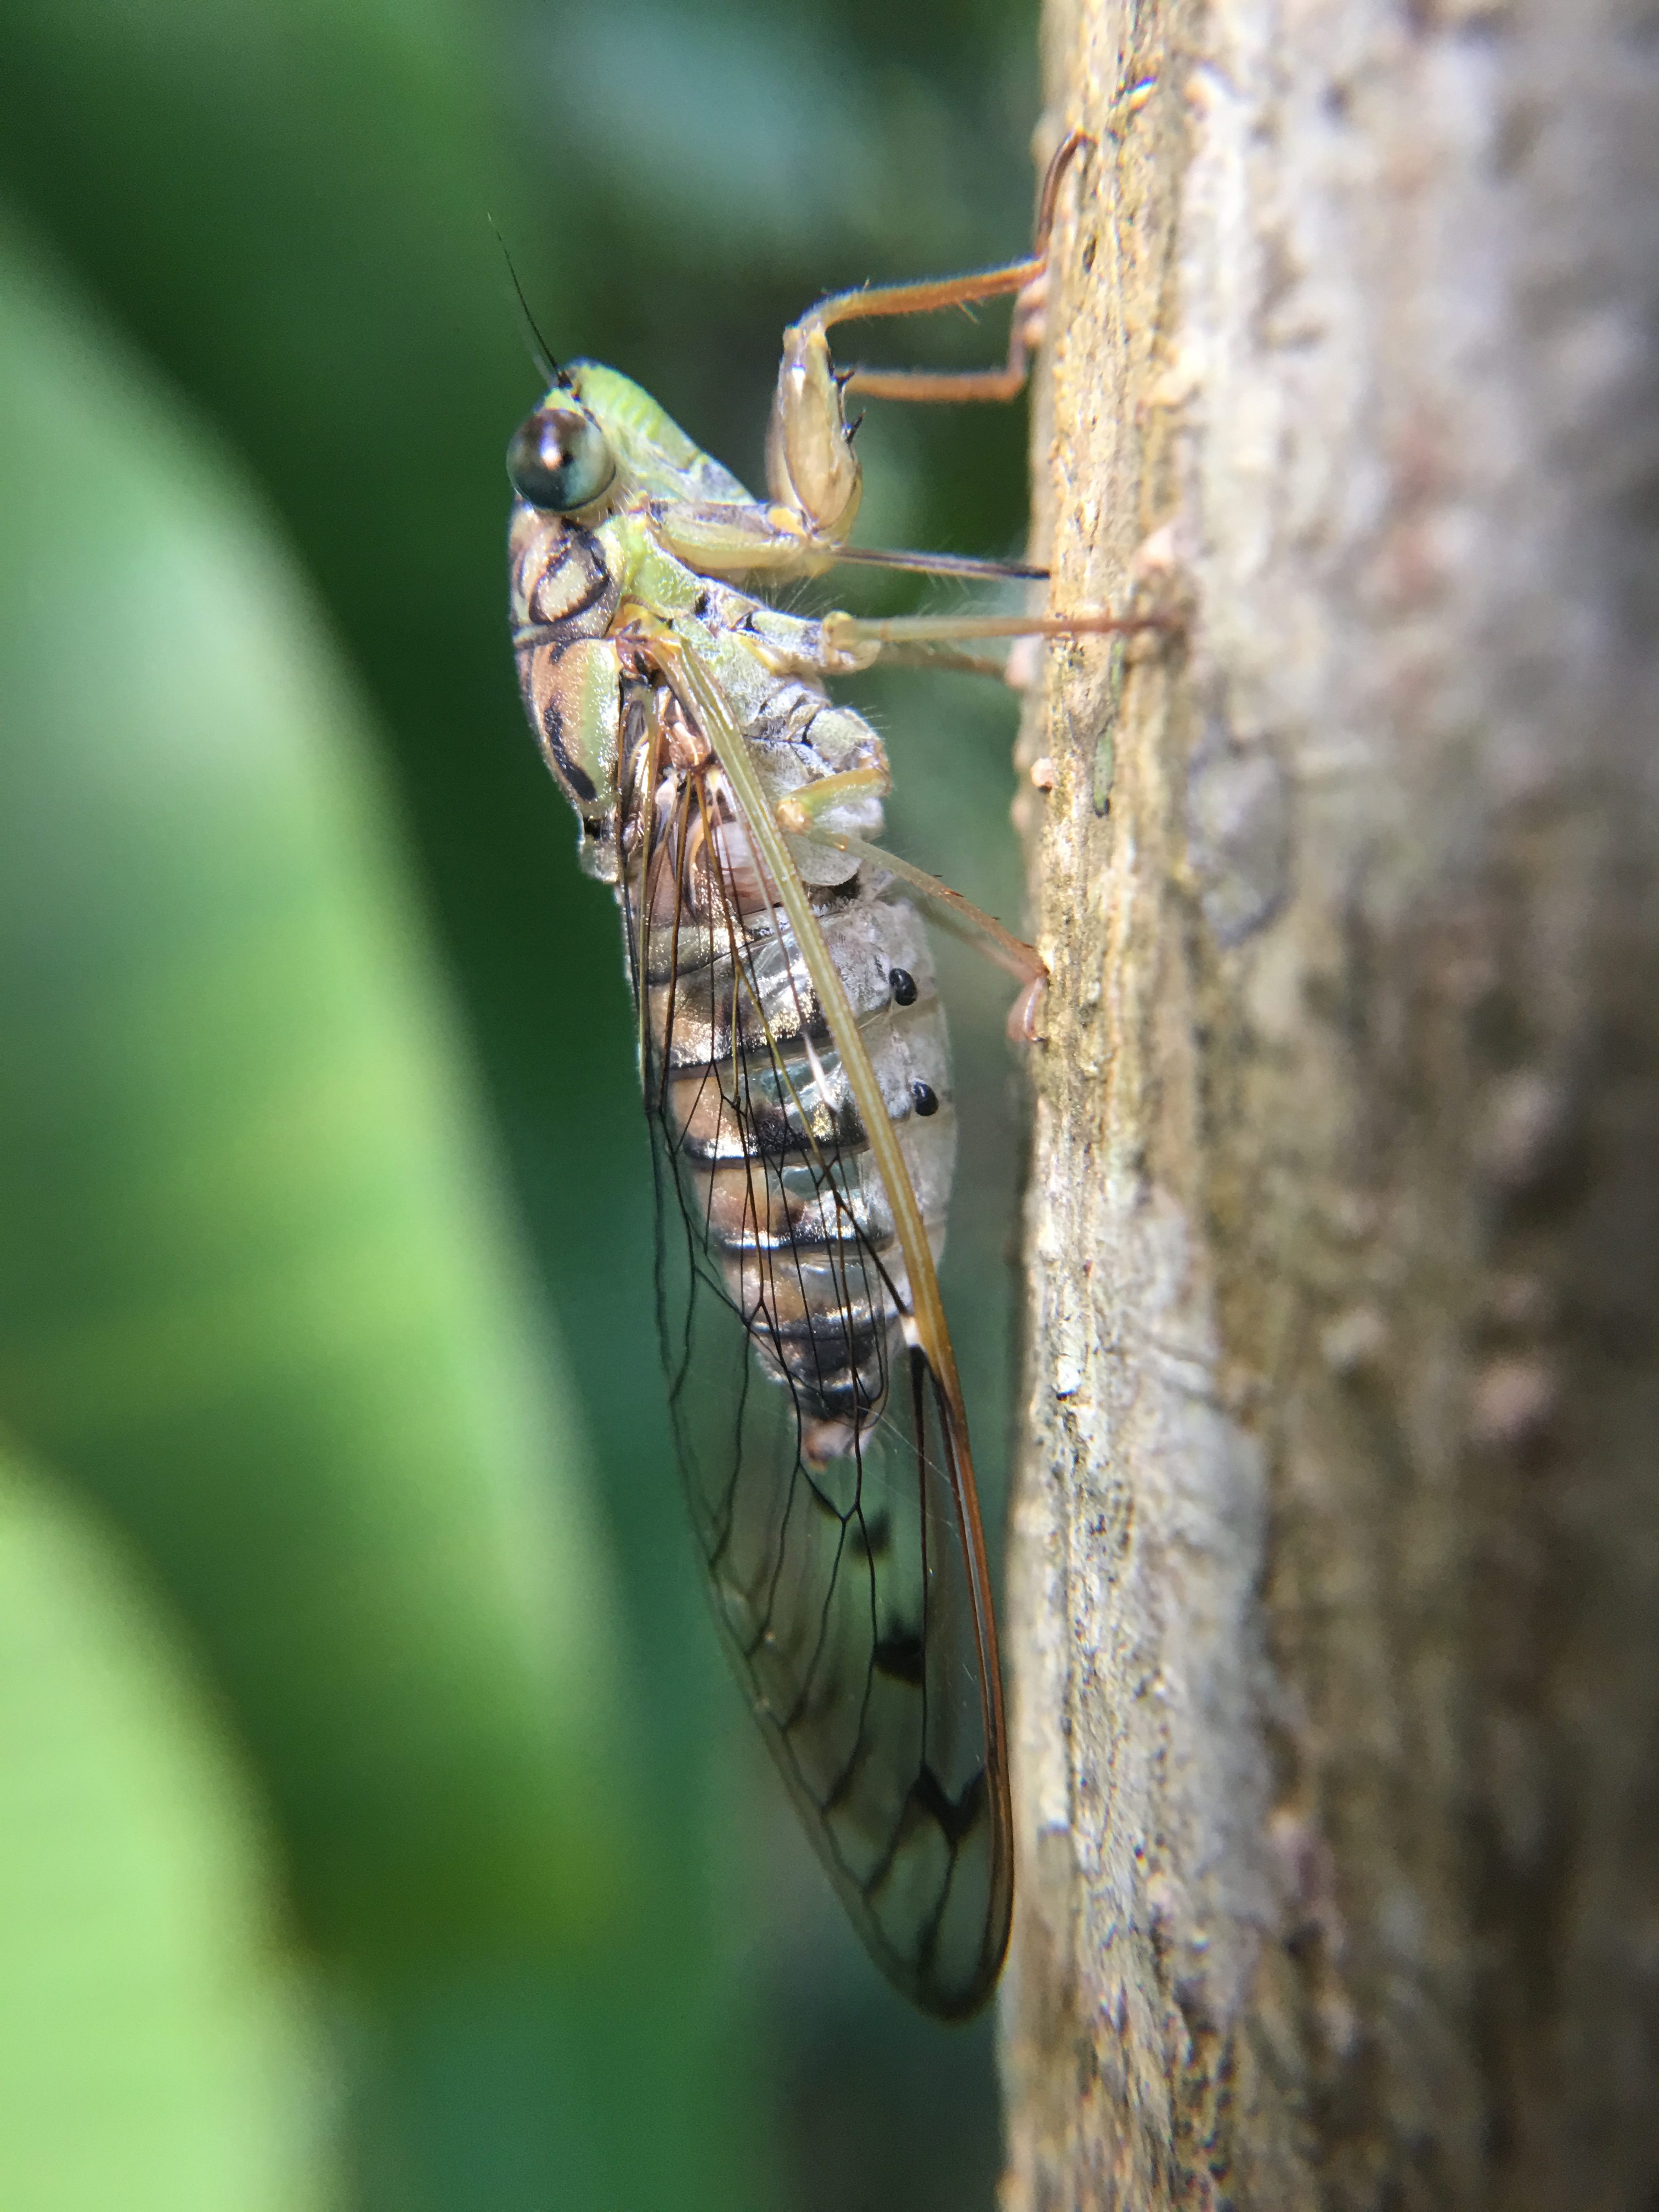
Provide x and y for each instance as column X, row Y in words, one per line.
column 794, row 1059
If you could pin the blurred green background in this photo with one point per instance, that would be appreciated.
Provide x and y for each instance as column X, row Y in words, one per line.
column 377, row 1826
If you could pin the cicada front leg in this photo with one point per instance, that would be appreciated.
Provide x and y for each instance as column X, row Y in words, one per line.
column 812, row 470
column 813, row 475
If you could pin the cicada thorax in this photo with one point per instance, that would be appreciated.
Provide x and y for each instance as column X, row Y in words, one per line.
column 745, row 1073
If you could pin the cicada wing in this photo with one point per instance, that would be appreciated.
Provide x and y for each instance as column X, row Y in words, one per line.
column 825, row 1478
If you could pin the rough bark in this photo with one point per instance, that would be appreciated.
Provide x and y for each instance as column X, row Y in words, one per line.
column 1333, row 1606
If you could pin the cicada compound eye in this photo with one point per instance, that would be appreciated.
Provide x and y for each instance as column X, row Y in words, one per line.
column 559, row 459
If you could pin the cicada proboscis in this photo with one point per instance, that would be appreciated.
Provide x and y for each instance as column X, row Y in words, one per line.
column 794, row 1059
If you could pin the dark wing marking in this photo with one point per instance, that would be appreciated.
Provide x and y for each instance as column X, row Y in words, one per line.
column 816, row 1442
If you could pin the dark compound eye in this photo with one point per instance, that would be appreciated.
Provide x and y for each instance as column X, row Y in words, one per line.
column 924, row 1098
column 559, row 459
column 903, row 985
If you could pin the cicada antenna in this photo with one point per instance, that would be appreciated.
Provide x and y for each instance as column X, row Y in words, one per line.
column 540, row 352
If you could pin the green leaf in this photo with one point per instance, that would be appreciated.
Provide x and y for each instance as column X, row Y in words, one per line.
column 257, row 1292
column 153, row 2050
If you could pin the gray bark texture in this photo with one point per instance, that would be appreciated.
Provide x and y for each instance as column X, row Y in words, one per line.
column 1333, row 1604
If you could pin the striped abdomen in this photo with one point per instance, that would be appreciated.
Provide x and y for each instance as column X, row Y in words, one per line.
column 774, row 1164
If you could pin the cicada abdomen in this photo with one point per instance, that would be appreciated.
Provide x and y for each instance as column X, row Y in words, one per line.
column 750, row 1095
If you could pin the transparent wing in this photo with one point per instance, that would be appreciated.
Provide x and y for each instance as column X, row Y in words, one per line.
column 825, row 1476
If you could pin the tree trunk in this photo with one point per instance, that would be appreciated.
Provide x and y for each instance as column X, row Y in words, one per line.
column 1334, row 1599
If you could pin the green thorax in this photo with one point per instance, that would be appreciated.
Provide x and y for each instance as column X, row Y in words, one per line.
column 653, row 455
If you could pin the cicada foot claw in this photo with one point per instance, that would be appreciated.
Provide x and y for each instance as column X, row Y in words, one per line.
column 1026, row 1022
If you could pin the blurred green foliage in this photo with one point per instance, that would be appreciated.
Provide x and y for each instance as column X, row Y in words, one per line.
column 348, row 1592
column 167, row 2064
